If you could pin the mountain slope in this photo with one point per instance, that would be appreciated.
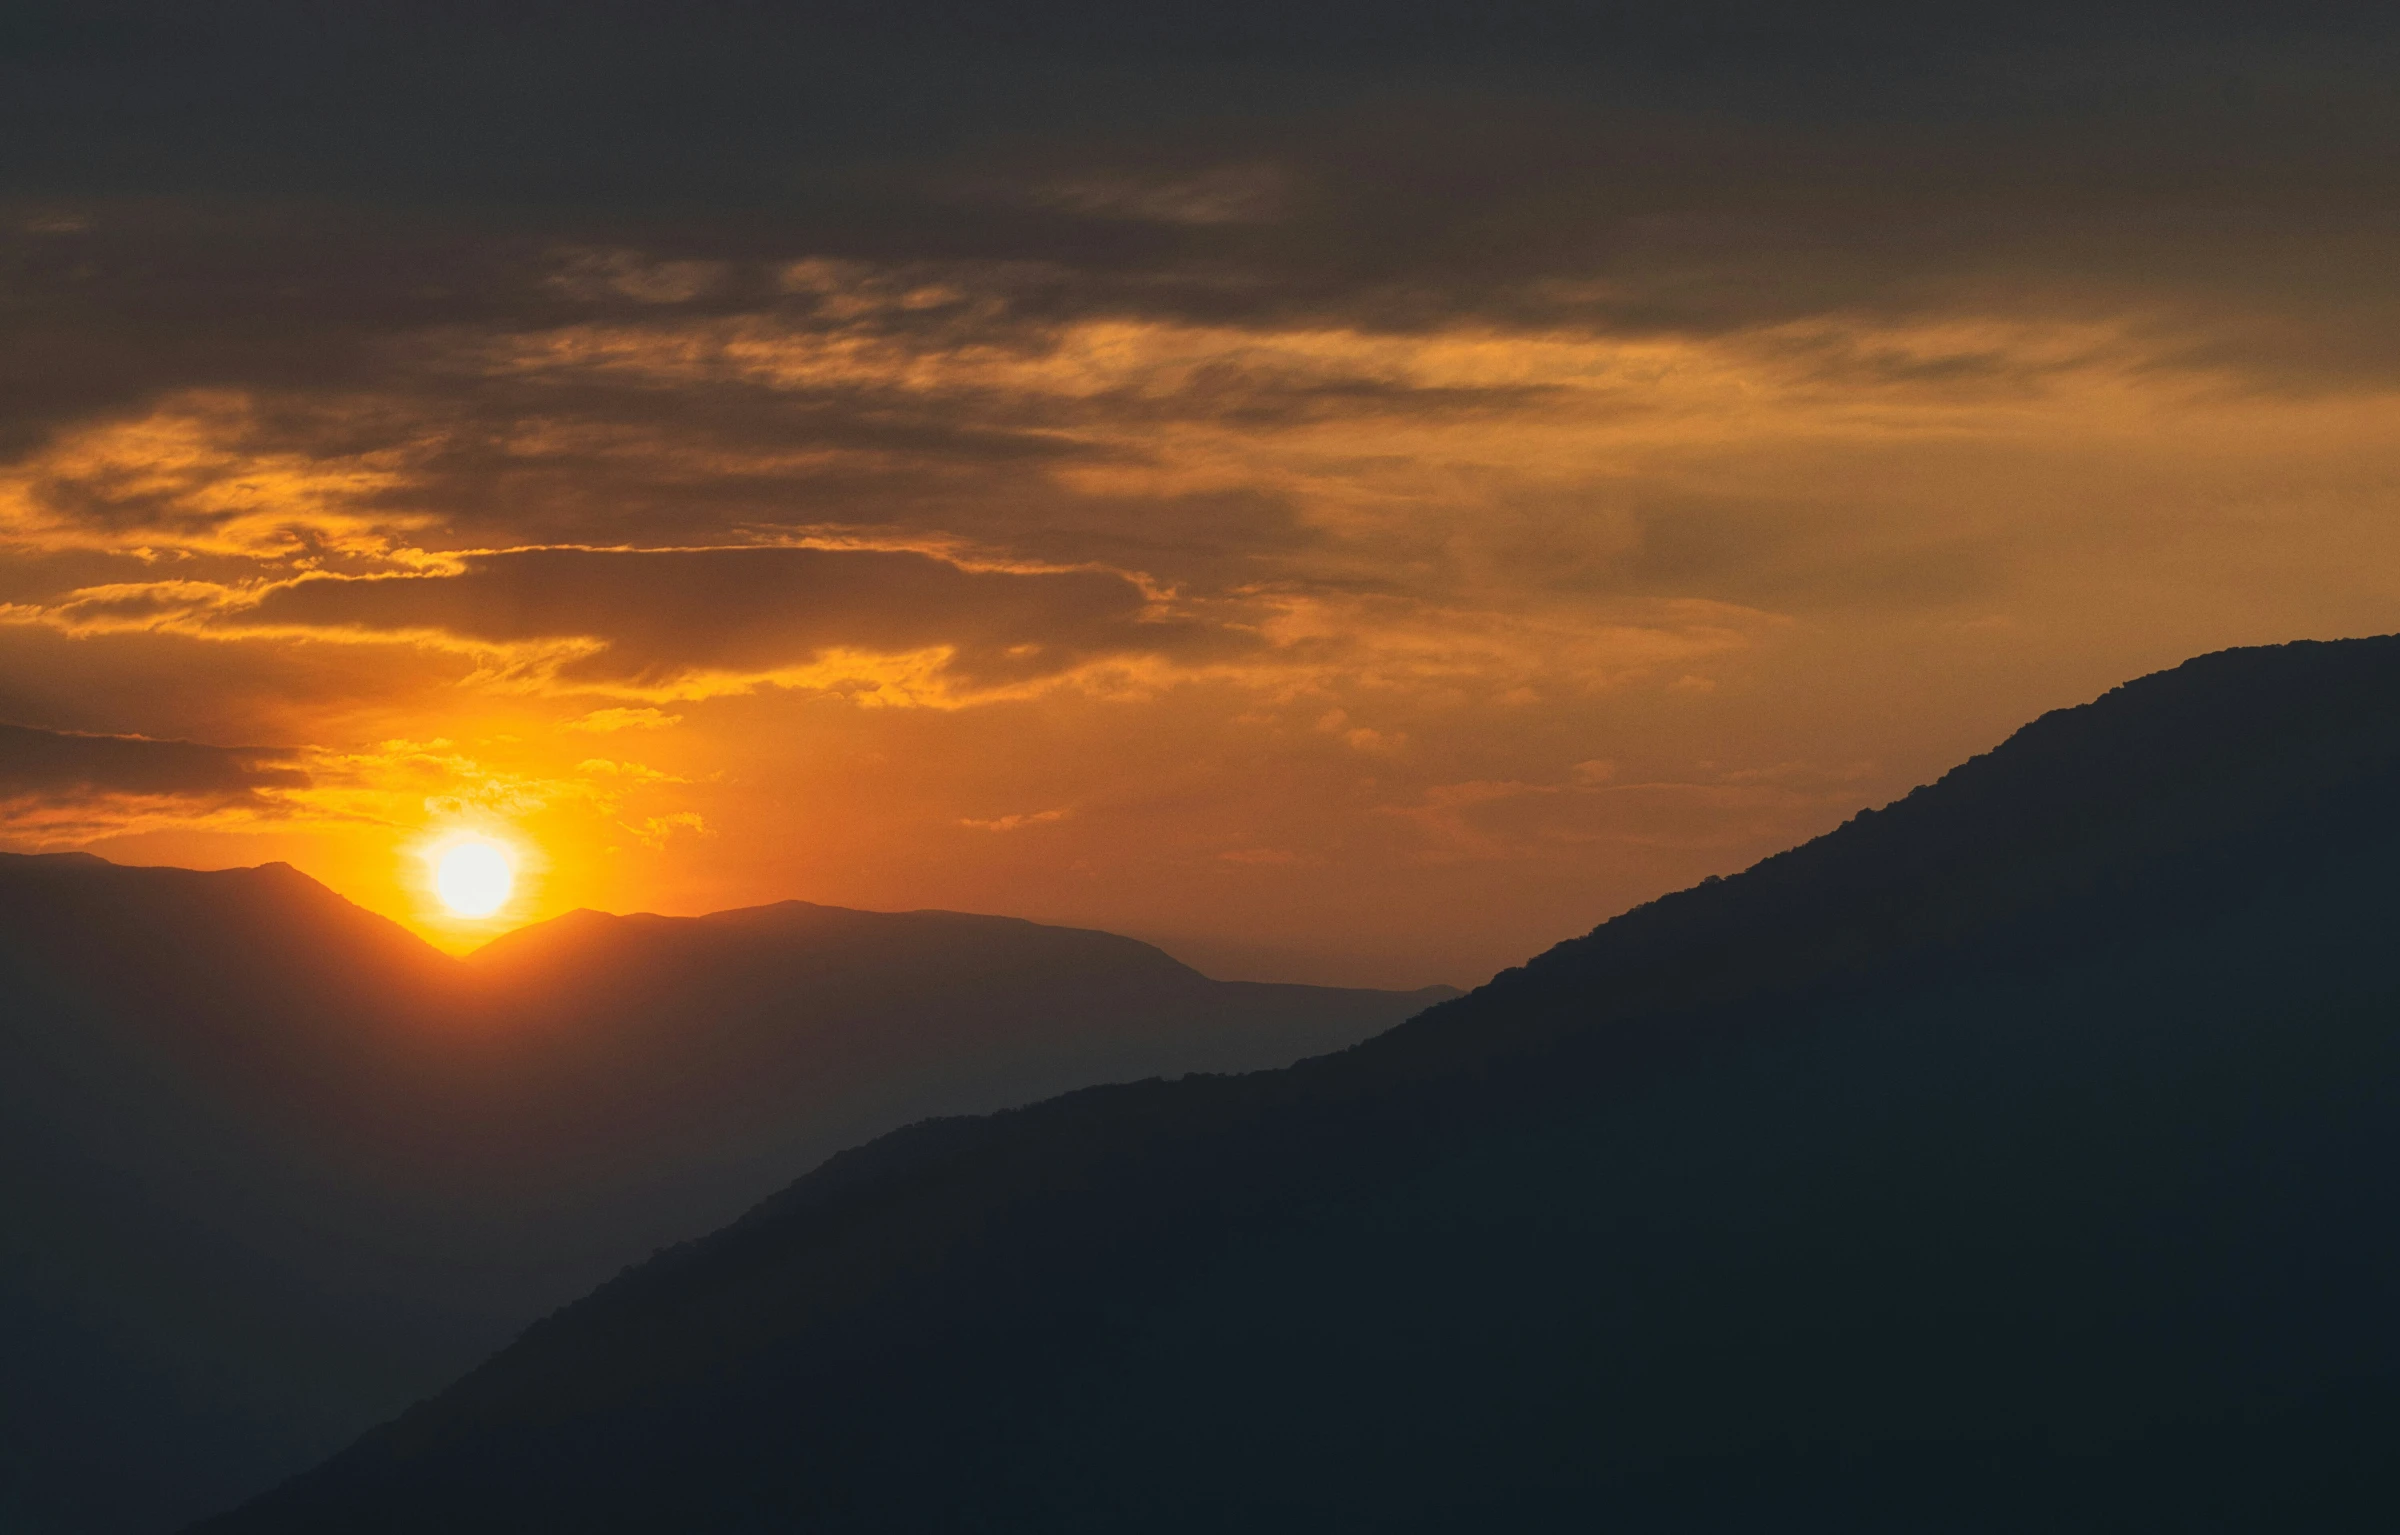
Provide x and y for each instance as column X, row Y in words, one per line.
column 163, row 1046
column 272, row 1167
column 2018, row 1156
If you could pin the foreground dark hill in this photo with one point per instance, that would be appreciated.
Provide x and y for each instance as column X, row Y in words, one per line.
column 271, row 1167
column 2022, row 1156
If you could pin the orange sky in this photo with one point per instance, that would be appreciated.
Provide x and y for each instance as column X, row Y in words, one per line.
column 1156, row 555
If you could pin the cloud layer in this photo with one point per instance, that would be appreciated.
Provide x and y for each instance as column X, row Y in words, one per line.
column 64, row 785
column 1250, row 454
column 658, row 618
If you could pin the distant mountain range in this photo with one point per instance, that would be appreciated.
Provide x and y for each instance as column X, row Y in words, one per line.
column 2022, row 1156
column 272, row 1167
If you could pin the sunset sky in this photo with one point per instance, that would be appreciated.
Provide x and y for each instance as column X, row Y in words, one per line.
column 1351, row 493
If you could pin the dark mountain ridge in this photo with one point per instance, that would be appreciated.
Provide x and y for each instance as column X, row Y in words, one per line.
column 273, row 1166
column 865, row 965
column 2019, row 1155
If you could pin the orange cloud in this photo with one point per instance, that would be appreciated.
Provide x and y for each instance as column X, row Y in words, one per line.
column 1015, row 822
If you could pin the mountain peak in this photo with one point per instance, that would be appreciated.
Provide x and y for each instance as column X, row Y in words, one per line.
column 2015, row 1153
column 2180, row 781
column 287, row 1167
column 56, row 860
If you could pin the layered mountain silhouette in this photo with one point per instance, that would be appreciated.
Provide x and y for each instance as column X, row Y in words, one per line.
column 272, row 1167
column 2024, row 1155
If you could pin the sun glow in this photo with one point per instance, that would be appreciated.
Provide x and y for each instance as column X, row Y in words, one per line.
column 474, row 876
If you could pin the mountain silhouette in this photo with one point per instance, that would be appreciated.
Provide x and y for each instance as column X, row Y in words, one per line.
column 273, row 1167
column 2023, row 1155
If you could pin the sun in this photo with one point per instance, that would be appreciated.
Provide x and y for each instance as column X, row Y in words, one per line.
column 474, row 876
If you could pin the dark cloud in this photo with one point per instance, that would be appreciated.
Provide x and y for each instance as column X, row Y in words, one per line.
column 274, row 196
column 49, row 767
column 663, row 614
column 28, row 576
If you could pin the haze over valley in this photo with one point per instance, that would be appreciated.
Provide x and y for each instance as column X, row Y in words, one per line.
column 1279, row 765
column 276, row 1167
